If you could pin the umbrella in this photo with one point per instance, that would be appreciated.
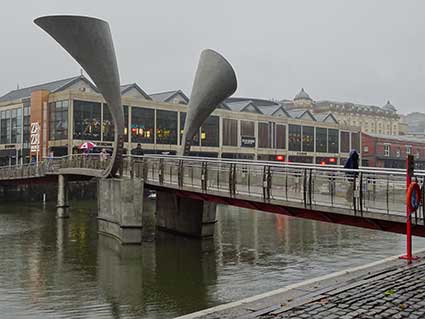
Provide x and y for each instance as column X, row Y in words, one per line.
column 87, row 146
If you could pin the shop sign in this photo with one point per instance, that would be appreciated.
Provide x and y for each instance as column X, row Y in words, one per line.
column 247, row 141
column 35, row 137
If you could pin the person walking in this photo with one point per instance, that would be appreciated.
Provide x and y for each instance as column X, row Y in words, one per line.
column 352, row 164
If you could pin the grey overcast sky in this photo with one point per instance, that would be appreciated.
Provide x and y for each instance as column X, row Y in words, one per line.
column 364, row 51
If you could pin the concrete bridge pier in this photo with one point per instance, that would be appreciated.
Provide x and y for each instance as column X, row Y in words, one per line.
column 120, row 208
column 62, row 206
column 186, row 216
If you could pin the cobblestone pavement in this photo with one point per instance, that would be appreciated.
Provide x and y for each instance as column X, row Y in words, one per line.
column 396, row 294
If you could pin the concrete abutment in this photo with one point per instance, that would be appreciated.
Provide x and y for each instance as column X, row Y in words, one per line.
column 120, row 209
column 186, row 216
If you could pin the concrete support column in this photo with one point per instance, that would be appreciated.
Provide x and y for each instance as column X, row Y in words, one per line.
column 186, row 216
column 120, row 208
column 62, row 203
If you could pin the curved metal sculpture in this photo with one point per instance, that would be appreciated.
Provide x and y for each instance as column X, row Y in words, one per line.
column 89, row 41
column 215, row 81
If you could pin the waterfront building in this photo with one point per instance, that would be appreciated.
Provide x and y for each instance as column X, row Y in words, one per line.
column 370, row 118
column 390, row 151
column 58, row 116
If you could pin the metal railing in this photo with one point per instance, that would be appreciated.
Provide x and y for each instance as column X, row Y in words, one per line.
column 364, row 190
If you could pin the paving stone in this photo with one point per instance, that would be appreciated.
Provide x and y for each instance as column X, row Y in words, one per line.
column 400, row 295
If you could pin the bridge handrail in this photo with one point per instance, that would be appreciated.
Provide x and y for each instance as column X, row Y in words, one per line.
column 278, row 164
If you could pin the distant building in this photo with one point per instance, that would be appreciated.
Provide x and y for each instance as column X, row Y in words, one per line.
column 68, row 112
column 371, row 119
column 415, row 123
column 390, row 151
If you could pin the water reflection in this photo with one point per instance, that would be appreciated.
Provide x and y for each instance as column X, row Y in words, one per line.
column 62, row 268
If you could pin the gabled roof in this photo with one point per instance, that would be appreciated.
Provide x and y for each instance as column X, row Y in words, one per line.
column 224, row 106
column 244, row 106
column 325, row 117
column 273, row 109
column 52, row 87
column 127, row 87
column 168, row 96
column 301, row 114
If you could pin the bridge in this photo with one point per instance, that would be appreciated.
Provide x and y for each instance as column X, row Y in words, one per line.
column 369, row 197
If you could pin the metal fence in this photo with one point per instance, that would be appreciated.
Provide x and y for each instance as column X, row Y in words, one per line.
column 364, row 190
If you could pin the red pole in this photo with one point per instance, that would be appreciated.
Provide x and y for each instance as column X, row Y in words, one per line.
column 409, row 173
column 408, row 227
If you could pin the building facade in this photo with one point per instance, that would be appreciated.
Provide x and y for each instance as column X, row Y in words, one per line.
column 59, row 116
column 369, row 118
column 390, row 151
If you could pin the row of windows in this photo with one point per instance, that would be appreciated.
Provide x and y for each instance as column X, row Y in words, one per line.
column 408, row 151
column 87, row 126
column 10, row 126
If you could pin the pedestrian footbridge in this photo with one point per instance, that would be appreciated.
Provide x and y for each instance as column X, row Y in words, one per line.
column 369, row 197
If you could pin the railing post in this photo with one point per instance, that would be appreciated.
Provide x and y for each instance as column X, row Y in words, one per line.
column 361, row 193
column 232, row 179
column 305, row 187
column 204, row 176
column 161, row 171
column 180, row 173
column 267, row 181
column 310, row 186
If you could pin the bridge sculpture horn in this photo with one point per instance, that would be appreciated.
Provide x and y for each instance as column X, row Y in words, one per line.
column 89, row 41
column 215, row 81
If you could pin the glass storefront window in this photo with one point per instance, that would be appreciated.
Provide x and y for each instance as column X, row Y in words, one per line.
column 210, row 131
column 308, row 139
column 280, row 136
column 195, row 141
column 294, row 137
column 4, row 138
column 355, row 141
column 321, row 140
column 230, row 132
column 264, row 135
column 345, row 142
column 108, row 124
column 13, row 126
column 166, row 127
column 142, row 125
column 248, row 134
column 125, row 107
column 87, row 120
column 333, row 141
column 58, row 120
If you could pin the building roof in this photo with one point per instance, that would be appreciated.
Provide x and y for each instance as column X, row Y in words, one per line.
column 256, row 101
column 302, row 95
column 244, row 106
column 301, row 113
column 389, row 107
column 50, row 86
column 400, row 138
column 168, row 95
column 273, row 109
column 324, row 117
column 127, row 87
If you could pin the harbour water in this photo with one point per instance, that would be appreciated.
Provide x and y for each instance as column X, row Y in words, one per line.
column 52, row 268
